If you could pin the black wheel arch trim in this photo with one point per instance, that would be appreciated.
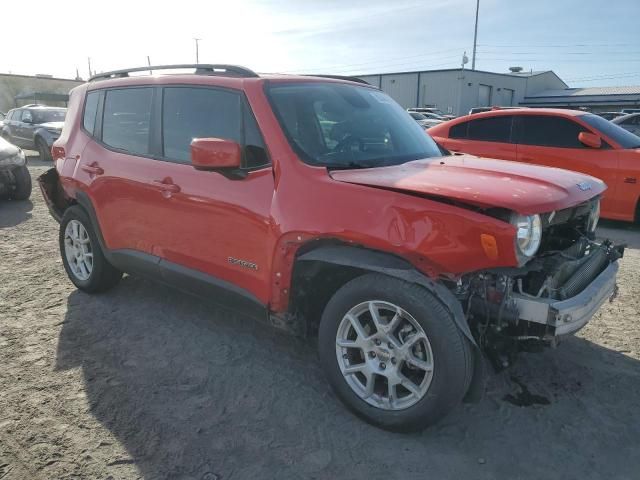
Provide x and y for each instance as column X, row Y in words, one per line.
column 388, row 264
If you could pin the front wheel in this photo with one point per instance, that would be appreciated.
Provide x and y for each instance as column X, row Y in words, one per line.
column 82, row 256
column 22, row 189
column 393, row 353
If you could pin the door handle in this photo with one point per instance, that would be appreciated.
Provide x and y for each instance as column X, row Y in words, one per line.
column 92, row 169
column 166, row 187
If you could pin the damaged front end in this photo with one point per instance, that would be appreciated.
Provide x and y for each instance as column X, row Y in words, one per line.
column 554, row 294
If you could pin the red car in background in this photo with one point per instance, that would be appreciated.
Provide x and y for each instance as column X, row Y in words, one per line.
column 568, row 139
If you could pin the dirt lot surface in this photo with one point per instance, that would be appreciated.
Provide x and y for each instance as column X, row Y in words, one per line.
column 146, row 382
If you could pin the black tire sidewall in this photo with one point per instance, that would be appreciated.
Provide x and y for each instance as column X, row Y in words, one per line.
column 23, row 185
column 43, row 149
column 448, row 344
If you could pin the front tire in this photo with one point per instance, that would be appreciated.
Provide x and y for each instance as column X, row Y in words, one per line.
column 22, row 189
column 393, row 354
column 82, row 256
column 44, row 151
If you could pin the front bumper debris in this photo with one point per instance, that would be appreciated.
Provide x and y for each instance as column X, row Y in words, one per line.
column 564, row 317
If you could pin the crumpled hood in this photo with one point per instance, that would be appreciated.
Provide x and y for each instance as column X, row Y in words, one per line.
column 7, row 150
column 483, row 182
column 57, row 125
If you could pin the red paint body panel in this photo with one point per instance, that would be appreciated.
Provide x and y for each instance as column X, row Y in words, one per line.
column 484, row 182
column 611, row 165
column 199, row 219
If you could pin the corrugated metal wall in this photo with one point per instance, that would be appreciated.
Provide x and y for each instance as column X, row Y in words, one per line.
column 402, row 87
column 457, row 91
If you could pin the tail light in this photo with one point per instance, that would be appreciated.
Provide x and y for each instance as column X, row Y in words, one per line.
column 58, row 153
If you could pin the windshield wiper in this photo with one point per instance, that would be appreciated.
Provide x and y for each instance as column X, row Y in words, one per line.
column 348, row 166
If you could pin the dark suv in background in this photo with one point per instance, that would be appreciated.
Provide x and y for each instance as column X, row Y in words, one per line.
column 34, row 127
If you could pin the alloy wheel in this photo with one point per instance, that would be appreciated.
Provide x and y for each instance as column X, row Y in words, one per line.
column 78, row 250
column 384, row 355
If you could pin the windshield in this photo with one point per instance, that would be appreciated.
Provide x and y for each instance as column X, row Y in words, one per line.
column 417, row 116
column 624, row 138
column 45, row 116
column 347, row 126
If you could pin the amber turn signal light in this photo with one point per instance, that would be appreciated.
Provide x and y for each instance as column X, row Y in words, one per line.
column 489, row 245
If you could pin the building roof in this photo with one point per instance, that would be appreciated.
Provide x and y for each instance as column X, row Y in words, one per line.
column 40, row 77
column 589, row 91
column 508, row 74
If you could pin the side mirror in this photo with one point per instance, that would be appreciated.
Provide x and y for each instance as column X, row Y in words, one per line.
column 27, row 120
column 591, row 140
column 215, row 154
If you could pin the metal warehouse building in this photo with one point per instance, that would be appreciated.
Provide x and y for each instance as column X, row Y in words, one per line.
column 456, row 91
column 596, row 99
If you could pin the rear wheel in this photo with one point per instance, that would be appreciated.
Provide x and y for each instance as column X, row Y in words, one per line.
column 393, row 353
column 82, row 256
column 43, row 149
column 22, row 189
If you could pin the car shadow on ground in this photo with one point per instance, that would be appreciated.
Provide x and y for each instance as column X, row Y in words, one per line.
column 14, row 212
column 192, row 391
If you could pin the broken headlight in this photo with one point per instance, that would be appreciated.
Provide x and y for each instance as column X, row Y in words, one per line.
column 528, row 235
column 594, row 216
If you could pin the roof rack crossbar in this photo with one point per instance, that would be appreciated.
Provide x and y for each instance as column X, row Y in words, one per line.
column 200, row 69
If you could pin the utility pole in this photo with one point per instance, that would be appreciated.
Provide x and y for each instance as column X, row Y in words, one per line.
column 89, row 62
column 149, row 63
column 475, row 37
column 197, row 56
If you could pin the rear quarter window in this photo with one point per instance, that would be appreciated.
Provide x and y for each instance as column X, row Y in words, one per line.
column 459, row 130
column 90, row 110
column 492, row 129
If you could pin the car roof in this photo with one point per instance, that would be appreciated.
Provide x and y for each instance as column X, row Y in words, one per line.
column 525, row 111
column 228, row 81
column 622, row 118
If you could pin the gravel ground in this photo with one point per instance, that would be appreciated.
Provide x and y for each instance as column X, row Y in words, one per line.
column 146, row 382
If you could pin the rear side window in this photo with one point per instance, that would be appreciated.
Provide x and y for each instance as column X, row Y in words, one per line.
column 189, row 113
column 492, row 129
column 548, row 131
column 126, row 119
column 90, row 110
column 459, row 130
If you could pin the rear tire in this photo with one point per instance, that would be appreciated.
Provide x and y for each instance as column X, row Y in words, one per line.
column 391, row 355
column 22, row 189
column 43, row 150
column 82, row 257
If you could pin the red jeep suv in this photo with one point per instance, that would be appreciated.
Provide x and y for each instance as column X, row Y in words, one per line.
column 320, row 206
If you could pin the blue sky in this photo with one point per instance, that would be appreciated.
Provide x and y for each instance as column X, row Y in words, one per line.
column 587, row 43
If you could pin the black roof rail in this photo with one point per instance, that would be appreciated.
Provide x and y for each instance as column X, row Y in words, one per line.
column 340, row 77
column 200, row 69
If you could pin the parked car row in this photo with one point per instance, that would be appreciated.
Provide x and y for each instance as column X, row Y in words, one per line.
column 320, row 206
column 34, row 127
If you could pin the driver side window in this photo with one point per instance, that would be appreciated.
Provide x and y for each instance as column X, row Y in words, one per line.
column 26, row 116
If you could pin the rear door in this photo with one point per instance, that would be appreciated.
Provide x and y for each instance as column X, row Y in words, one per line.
column 553, row 141
column 484, row 137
